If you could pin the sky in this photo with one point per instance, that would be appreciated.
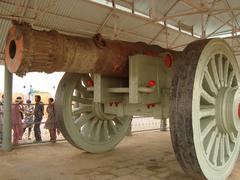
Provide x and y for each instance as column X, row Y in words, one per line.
column 39, row 81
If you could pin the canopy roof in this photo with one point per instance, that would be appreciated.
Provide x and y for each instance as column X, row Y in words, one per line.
column 168, row 23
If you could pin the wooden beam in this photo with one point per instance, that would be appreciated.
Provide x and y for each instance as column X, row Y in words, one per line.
column 165, row 14
column 77, row 20
column 183, row 14
column 208, row 17
column 100, row 28
column 194, row 5
column 235, row 19
column 171, row 7
column 156, row 36
column 166, row 29
column 222, row 25
column 176, row 38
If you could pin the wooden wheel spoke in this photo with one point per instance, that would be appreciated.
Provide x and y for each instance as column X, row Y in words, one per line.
column 230, row 79
column 97, row 133
column 232, row 137
column 83, row 119
column 208, row 97
column 118, row 122
column 210, row 82
column 206, row 112
column 90, row 129
column 211, row 142
column 105, row 130
column 227, row 142
column 208, row 128
column 220, row 69
column 82, row 100
column 216, row 149
column 215, row 72
column 225, row 73
column 85, row 129
column 222, row 149
column 80, row 110
column 112, row 128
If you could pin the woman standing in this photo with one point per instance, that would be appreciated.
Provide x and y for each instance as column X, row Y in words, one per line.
column 51, row 122
column 28, row 119
column 17, row 124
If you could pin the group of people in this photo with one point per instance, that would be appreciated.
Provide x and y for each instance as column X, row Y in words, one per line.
column 24, row 117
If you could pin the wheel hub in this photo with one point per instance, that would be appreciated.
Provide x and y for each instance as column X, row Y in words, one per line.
column 228, row 109
column 98, row 110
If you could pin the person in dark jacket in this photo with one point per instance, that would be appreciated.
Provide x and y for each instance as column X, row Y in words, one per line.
column 38, row 115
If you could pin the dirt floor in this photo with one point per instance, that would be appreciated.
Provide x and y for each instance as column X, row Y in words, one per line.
column 147, row 155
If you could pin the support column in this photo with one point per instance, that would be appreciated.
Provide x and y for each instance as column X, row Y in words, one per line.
column 163, row 125
column 129, row 131
column 7, row 121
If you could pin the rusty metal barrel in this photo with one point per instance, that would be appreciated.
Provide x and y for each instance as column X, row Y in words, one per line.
column 29, row 50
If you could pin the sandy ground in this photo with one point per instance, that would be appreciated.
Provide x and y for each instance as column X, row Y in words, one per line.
column 147, row 155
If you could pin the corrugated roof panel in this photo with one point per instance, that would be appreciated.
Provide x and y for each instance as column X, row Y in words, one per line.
column 84, row 17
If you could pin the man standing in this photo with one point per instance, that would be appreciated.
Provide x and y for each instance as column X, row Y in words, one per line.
column 38, row 115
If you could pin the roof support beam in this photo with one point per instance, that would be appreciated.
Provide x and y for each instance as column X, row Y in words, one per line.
column 156, row 36
column 194, row 5
column 212, row 33
column 208, row 16
column 100, row 28
column 176, row 38
column 182, row 14
column 165, row 14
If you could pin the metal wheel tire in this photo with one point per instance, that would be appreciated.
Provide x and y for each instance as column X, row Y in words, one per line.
column 83, row 122
column 205, row 110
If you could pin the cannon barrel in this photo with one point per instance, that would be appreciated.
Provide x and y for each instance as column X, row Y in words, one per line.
column 29, row 50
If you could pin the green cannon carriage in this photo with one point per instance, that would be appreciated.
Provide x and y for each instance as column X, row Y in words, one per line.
column 107, row 82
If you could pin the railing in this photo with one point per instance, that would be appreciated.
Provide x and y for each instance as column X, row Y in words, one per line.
column 44, row 132
column 45, row 135
column 139, row 124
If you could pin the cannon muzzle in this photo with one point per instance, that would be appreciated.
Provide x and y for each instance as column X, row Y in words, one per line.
column 29, row 50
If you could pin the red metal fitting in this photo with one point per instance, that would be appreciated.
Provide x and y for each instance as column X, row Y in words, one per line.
column 151, row 83
column 168, row 60
column 90, row 83
column 150, row 105
column 111, row 103
column 116, row 104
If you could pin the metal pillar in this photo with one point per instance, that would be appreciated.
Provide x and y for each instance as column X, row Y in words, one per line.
column 163, row 125
column 7, row 122
column 129, row 131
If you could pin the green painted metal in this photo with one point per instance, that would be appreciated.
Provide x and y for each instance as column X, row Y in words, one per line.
column 7, row 123
column 137, row 98
column 82, row 121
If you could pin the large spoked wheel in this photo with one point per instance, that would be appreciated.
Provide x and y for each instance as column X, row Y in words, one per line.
column 205, row 110
column 83, row 122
